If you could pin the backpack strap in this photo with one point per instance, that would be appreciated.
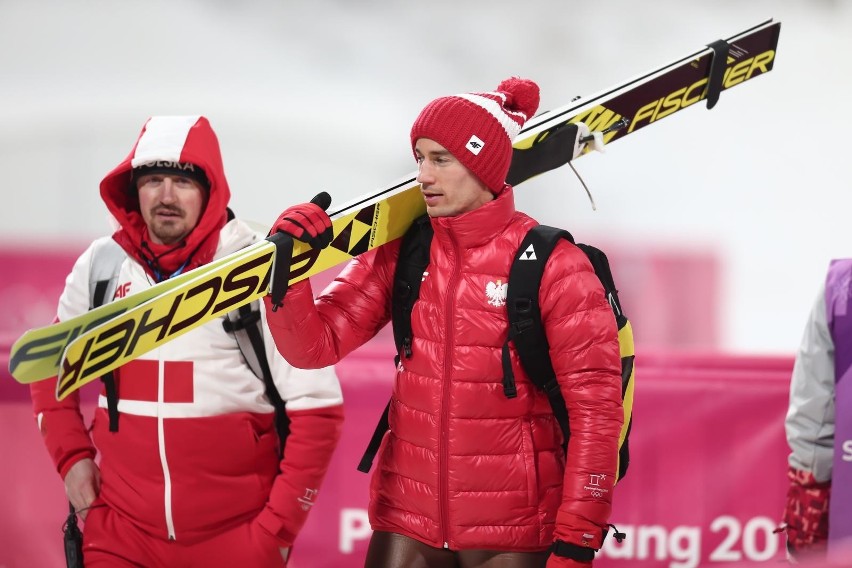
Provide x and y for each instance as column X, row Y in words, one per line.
column 375, row 441
column 526, row 330
column 107, row 258
column 245, row 324
column 412, row 262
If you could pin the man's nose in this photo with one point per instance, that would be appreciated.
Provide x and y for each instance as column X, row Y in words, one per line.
column 424, row 174
column 168, row 193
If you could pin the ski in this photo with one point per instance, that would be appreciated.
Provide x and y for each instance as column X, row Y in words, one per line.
column 98, row 342
column 37, row 353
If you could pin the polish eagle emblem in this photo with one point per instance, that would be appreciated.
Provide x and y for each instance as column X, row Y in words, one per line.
column 496, row 293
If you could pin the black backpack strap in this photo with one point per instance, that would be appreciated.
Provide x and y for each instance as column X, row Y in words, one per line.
column 108, row 379
column 111, row 392
column 245, row 323
column 412, row 262
column 107, row 258
column 526, row 331
column 375, row 441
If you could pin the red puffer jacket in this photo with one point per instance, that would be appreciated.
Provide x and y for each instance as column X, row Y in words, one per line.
column 463, row 466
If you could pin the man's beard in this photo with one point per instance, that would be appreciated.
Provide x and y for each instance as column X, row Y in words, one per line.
column 171, row 229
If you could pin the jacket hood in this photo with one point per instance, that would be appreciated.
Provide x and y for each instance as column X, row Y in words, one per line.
column 169, row 139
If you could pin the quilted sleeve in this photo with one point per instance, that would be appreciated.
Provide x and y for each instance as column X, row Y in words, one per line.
column 583, row 338
column 351, row 310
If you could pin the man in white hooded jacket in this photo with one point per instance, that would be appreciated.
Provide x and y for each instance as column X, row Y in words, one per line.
column 193, row 475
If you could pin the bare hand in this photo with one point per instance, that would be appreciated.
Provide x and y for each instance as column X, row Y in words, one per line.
column 82, row 485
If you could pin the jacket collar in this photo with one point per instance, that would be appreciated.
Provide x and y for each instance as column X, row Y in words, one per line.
column 475, row 228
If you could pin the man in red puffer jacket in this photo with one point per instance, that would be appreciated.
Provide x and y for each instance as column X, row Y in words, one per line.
column 468, row 477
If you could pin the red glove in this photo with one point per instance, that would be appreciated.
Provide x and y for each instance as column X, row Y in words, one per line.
column 806, row 513
column 307, row 222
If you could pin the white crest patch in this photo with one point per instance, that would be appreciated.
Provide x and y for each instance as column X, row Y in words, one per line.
column 496, row 293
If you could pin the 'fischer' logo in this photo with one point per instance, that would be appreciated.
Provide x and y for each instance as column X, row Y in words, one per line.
column 697, row 91
column 120, row 339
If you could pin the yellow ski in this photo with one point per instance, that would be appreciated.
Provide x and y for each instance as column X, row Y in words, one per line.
column 104, row 339
column 37, row 353
column 227, row 286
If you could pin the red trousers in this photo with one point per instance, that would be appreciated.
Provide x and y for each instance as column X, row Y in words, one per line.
column 111, row 540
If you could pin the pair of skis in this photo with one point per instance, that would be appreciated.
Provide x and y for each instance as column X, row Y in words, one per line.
column 83, row 348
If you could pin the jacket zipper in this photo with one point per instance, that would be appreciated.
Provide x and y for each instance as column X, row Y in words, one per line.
column 161, row 445
column 445, row 396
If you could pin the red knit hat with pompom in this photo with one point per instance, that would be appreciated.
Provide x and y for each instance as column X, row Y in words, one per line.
column 478, row 128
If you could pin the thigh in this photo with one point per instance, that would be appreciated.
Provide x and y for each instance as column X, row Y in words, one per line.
column 111, row 541
column 243, row 545
column 391, row 550
column 497, row 559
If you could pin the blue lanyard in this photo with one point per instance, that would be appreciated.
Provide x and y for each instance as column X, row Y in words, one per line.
column 159, row 276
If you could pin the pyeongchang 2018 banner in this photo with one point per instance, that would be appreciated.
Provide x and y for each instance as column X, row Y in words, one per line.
column 706, row 483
